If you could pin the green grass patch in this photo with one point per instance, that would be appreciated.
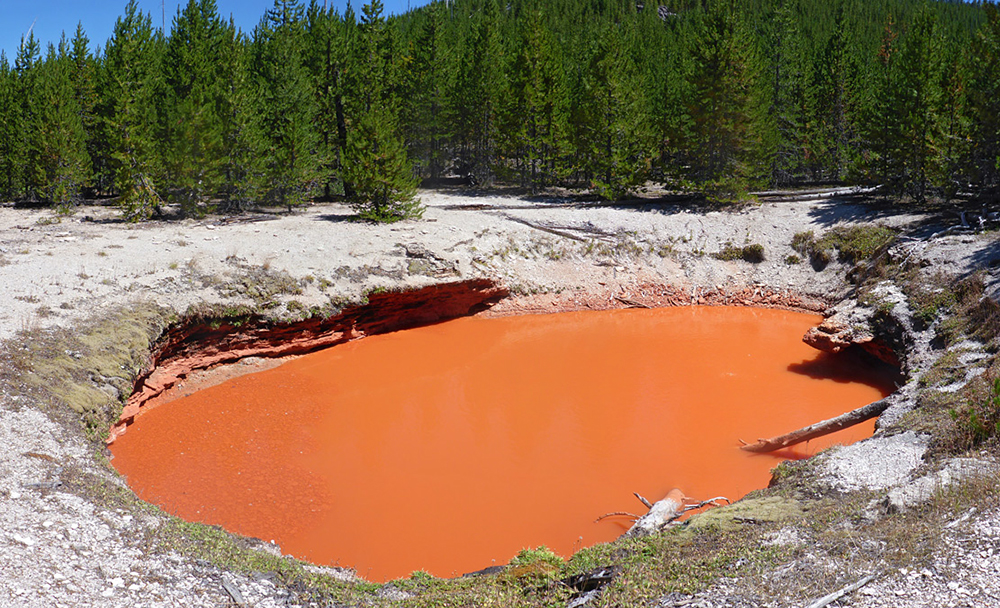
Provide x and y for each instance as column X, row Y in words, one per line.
column 973, row 314
column 751, row 252
column 88, row 371
column 946, row 369
column 852, row 244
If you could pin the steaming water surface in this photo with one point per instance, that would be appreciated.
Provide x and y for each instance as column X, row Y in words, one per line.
column 451, row 447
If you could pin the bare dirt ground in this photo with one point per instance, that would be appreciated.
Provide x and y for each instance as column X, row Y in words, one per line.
column 59, row 547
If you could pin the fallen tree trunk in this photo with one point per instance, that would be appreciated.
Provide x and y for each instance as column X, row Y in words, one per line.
column 819, row 429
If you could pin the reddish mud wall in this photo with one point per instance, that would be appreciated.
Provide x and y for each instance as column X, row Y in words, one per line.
column 193, row 346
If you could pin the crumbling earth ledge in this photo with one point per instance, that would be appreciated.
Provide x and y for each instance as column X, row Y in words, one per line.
column 190, row 345
column 200, row 344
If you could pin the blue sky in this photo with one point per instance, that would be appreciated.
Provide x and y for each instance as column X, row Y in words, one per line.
column 52, row 17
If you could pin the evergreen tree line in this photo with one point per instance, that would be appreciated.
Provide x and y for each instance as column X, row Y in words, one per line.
column 712, row 96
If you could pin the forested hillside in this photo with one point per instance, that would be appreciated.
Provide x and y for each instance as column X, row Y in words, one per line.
column 711, row 96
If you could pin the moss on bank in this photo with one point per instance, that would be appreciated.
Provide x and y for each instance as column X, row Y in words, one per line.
column 88, row 371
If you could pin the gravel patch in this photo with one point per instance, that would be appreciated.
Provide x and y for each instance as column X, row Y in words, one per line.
column 874, row 464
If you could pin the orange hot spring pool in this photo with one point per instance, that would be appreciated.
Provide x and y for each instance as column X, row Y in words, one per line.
column 451, row 447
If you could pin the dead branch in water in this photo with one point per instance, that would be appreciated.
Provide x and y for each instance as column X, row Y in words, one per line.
column 643, row 500
column 616, row 514
column 819, row 429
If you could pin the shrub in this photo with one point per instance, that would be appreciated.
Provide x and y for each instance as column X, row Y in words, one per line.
column 857, row 243
column 753, row 253
column 852, row 243
column 979, row 420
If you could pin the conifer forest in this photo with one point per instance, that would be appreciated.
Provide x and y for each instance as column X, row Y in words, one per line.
column 716, row 98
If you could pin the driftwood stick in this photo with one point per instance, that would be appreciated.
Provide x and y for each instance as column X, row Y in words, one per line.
column 631, row 303
column 543, row 228
column 836, row 595
column 643, row 500
column 819, row 429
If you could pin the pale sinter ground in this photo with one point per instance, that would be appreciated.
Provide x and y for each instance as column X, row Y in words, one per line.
column 61, row 549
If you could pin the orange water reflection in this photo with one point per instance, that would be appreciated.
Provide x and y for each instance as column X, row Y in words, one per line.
column 451, row 447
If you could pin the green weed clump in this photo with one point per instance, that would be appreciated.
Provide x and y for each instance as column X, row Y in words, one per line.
column 752, row 252
column 852, row 244
column 973, row 314
column 978, row 419
column 261, row 284
column 87, row 372
column 930, row 298
column 536, row 565
column 857, row 243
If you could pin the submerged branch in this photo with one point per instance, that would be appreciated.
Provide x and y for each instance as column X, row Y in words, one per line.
column 616, row 514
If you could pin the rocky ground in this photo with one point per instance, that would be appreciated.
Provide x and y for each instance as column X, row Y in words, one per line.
column 63, row 545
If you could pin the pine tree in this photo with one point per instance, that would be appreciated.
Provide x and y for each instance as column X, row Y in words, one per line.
column 27, row 119
column 58, row 159
column 194, row 103
column 952, row 140
column 984, row 102
column 538, row 114
column 243, row 143
column 787, row 109
column 613, row 119
column 9, row 129
column 480, row 86
column 329, row 38
column 294, row 165
column 375, row 163
column 426, row 106
column 83, row 77
column 831, row 100
column 728, row 128
column 904, row 120
column 130, row 88
column 668, row 95
column 880, row 130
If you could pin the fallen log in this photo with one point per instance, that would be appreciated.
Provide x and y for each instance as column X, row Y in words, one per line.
column 819, row 429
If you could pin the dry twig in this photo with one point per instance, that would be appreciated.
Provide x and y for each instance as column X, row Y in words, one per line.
column 836, row 595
